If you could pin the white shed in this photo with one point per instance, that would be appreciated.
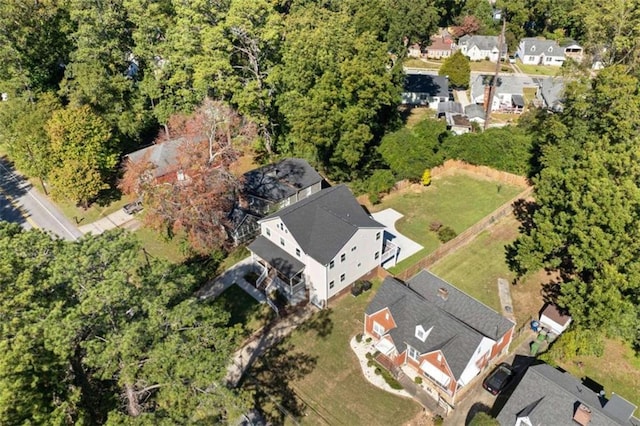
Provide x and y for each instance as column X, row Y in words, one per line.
column 553, row 319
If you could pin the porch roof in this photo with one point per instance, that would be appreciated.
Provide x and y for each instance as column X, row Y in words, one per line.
column 279, row 259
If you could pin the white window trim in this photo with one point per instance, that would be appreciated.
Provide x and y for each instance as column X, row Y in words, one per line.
column 378, row 329
column 413, row 351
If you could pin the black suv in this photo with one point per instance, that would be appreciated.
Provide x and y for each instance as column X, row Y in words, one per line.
column 499, row 378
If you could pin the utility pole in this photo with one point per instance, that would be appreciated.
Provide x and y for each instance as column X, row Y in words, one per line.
column 494, row 83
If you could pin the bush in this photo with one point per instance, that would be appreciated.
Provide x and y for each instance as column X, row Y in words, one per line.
column 435, row 226
column 438, row 420
column 426, row 177
column 418, row 380
column 483, row 419
column 374, row 199
column 574, row 342
column 369, row 355
column 368, row 340
column 378, row 371
column 359, row 337
column 446, row 234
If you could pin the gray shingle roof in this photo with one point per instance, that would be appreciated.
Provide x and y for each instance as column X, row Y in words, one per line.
column 325, row 221
column 474, row 111
column 536, row 46
column 433, row 85
column 506, row 84
column 276, row 182
column 163, row 155
column 450, row 106
column 552, row 91
column 413, row 304
column 276, row 257
column 548, row 396
column 482, row 42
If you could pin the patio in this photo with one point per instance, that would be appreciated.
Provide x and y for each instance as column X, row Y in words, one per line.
column 394, row 239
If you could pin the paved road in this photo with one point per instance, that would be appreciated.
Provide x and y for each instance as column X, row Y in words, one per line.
column 21, row 203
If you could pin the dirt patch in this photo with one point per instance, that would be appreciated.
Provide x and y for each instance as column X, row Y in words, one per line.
column 423, row 418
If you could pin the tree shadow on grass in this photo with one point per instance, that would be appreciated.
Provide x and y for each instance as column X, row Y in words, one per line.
column 476, row 408
column 270, row 381
column 321, row 323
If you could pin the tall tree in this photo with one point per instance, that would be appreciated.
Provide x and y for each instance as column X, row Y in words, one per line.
column 458, row 69
column 82, row 154
column 588, row 204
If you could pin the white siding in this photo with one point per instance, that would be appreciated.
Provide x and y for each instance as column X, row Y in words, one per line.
column 472, row 370
column 290, row 244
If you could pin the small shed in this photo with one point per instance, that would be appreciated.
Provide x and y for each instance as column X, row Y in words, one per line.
column 554, row 319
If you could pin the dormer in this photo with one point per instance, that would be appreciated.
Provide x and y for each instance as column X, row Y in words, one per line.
column 533, row 48
column 421, row 333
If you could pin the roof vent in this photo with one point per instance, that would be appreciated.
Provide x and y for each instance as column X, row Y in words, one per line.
column 582, row 415
column 443, row 293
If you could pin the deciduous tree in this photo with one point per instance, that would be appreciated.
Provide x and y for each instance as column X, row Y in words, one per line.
column 458, row 69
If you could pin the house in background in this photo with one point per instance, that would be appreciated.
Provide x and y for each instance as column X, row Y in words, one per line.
column 429, row 328
column 319, row 245
column 508, row 95
column 572, row 50
column 270, row 188
column 475, row 113
column 479, row 48
column 441, row 46
column 554, row 320
column 163, row 159
column 547, row 396
column 458, row 123
column 425, row 90
column 535, row 51
column 414, row 51
column 550, row 94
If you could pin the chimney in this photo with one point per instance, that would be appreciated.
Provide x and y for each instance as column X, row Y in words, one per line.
column 443, row 293
column 582, row 415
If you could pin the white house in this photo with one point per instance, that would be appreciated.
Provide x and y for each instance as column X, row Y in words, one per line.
column 425, row 90
column 554, row 319
column 479, row 48
column 535, row 51
column 319, row 245
column 508, row 95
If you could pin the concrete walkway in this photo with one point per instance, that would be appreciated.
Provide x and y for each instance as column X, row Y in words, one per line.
column 270, row 335
column 233, row 275
column 462, row 97
column 504, row 290
column 388, row 218
column 116, row 219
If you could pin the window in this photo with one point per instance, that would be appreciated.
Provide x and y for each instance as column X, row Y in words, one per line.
column 378, row 329
column 342, row 277
column 332, row 264
column 343, row 257
column 268, row 232
column 298, row 252
column 439, row 357
column 378, row 236
column 332, row 284
column 377, row 255
column 359, row 264
column 413, row 354
column 353, row 248
column 282, row 241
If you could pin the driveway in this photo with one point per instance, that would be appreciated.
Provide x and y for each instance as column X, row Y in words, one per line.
column 388, row 218
column 462, row 97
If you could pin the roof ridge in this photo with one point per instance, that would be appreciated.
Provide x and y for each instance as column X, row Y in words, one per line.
column 295, row 206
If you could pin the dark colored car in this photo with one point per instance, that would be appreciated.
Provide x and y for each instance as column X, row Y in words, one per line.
column 133, row 207
column 499, row 378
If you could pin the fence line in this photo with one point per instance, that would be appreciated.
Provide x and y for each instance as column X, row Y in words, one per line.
column 465, row 237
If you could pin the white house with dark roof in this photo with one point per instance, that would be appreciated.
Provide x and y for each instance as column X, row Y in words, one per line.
column 508, row 95
column 318, row 246
column 425, row 90
column 547, row 396
column 479, row 47
column 536, row 51
column 439, row 332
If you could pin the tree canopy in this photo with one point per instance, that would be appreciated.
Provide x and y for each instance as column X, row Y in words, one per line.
column 458, row 69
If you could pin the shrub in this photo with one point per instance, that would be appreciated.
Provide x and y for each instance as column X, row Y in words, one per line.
column 368, row 340
column 426, row 177
column 359, row 337
column 418, row 380
column 438, row 420
column 435, row 226
column 371, row 363
column 483, row 419
column 378, row 371
column 374, row 199
column 369, row 355
column 446, row 234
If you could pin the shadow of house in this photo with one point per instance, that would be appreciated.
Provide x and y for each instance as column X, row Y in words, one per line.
column 268, row 189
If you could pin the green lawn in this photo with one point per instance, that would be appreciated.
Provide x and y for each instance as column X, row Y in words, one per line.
column 315, row 375
column 244, row 310
column 489, row 67
column 418, row 63
column 538, row 69
column 458, row 201
column 158, row 246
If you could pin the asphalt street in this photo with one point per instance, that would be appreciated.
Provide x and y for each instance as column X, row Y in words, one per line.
column 21, row 203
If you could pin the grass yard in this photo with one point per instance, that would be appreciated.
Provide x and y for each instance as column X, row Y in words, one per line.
column 316, row 377
column 618, row 370
column 157, row 246
column 244, row 310
column 538, row 69
column 489, row 67
column 419, row 63
column 457, row 201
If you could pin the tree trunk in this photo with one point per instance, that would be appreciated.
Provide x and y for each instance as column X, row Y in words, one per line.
column 133, row 407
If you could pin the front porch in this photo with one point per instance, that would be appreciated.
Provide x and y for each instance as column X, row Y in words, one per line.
column 278, row 270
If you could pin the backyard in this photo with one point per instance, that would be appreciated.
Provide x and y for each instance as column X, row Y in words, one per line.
column 457, row 201
column 244, row 310
column 315, row 377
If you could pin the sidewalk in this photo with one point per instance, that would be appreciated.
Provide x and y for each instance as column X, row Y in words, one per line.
column 116, row 219
column 270, row 335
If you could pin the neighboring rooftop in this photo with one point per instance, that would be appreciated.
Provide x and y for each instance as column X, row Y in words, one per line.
column 275, row 182
column 450, row 106
column 554, row 313
column 482, row 42
column 325, row 221
column 429, row 301
column 164, row 156
column 547, row 396
column 433, row 85
column 507, row 84
column 474, row 111
column 552, row 92
column 537, row 46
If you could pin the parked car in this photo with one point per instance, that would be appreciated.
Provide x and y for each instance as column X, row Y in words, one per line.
column 499, row 378
column 133, row 207
column 512, row 59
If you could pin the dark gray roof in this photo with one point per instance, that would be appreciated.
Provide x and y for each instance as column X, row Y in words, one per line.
column 459, row 304
column 474, row 111
column 536, row 46
column 548, row 396
column 482, row 42
column 518, row 100
column 552, row 92
column 433, row 85
column 163, row 155
column 507, row 84
column 276, row 182
column 325, row 221
column 450, row 106
column 456, row 339
column 286, row 264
